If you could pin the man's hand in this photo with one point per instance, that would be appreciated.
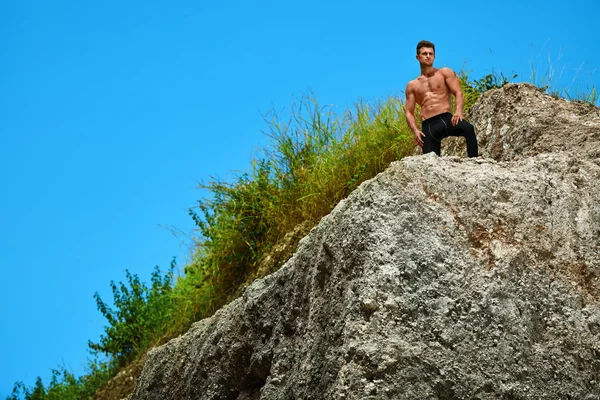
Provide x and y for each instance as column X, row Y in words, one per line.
column 419, row 138
column 456, row 118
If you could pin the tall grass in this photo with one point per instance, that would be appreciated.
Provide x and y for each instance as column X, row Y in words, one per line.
column 315, row 159
column 551, row 79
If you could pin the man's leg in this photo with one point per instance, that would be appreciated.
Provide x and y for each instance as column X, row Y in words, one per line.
column 431, row 144
column 463, row 128
column 434, row 130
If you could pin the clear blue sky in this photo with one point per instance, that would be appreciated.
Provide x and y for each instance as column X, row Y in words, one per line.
column 111, row 112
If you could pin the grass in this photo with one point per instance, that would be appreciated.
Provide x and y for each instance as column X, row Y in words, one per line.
column 314, row 160
column 581, row 87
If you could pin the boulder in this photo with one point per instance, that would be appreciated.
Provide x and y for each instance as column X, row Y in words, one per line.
column 442, row 277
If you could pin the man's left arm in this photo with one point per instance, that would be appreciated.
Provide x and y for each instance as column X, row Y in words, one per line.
column 454, row 85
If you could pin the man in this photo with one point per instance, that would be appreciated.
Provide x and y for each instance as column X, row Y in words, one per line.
column 432, row 91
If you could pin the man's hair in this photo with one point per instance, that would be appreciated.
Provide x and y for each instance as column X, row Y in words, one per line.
column 425, row 43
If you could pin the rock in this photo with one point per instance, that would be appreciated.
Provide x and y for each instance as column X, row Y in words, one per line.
column 446, row 278
column 519, row 120
column 122, row 385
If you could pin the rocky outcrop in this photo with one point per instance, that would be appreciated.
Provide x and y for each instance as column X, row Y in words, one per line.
column 446, row 278
column 519, row 120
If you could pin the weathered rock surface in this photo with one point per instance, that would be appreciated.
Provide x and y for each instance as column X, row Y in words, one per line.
column 446, row 278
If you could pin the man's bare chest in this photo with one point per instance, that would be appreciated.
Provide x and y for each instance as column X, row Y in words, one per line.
column 435, row 85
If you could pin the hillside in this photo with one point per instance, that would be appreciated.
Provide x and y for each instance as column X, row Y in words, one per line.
column 439, row 278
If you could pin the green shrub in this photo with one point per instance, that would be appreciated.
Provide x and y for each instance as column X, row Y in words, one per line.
column 64, row 385
column 141, row 315
column 473, row 89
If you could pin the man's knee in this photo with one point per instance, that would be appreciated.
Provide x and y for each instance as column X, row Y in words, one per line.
column 471, row 139
column 468, row 132
column 468, row 129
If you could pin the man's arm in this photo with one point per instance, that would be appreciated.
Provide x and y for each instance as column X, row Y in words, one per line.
column 454, row 85
column 409, row 113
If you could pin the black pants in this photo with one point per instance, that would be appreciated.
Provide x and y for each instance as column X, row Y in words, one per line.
column 440, row 127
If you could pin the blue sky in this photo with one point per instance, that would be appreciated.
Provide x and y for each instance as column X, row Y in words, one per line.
column 112, row 112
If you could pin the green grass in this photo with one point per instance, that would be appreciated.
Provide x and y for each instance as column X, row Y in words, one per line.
column 315, row 159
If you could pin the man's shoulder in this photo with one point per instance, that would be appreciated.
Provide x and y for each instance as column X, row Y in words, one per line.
column 446, row 72
column 411, row 84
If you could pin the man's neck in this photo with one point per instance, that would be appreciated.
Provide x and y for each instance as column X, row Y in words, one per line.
column 427, row 70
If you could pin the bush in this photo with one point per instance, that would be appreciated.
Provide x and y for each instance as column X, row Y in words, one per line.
column 65, row 386
column 141, row 315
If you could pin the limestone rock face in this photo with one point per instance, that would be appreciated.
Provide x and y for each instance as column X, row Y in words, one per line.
column 446, row 278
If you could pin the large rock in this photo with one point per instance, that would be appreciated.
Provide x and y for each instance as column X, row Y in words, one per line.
column 440, row 278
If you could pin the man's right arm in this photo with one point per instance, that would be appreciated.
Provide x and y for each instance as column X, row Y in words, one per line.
column 410, row 114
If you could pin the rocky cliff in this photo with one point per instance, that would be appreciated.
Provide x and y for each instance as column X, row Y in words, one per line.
column 446, row 278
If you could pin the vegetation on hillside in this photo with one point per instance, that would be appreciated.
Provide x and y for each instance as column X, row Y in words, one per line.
column 315, row 159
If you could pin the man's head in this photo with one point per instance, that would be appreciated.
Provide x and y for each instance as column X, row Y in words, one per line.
column 425, row 53
column 425, row 43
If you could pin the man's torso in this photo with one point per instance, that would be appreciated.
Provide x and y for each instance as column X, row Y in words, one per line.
column 432, row 94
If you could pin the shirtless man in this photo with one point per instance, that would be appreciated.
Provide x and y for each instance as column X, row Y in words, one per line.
column 432, row 91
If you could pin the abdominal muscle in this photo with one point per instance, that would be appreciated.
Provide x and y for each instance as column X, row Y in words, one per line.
column 434, row 104
column 432, row 95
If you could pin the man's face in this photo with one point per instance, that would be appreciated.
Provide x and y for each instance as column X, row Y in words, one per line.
column 426, row 56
